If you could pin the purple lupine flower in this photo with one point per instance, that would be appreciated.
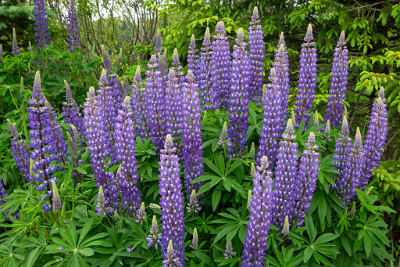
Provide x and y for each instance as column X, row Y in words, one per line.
column 138, row 105
column 71, row 110
column 193, row 204
column 224, row 140
column 192, row 57
column 106, row 60
column 340, row 71
column 154, row 103
column 316, row 119
column 141, row 214
column 281, row 66
column 175, row 101
column 21, row 152
column 57, row 204
column 15, row 49
column 375, row 138
column 125, row 139
column 273, row 121
column 239, row 103
column 229, row 252
column 256, row 54
column 352, row 171
column 55, row 138
column 307, row 177
column 42, row 142
column 171, row 202
column 3, row 195
column 327, row 130
column 153, row 239
column 191, row 136
column 255, row 244
column 286, row 186
column 220, row 67
column 42, row 33
column 342, row 149
column 129, row 250
column 127, row 86
column 307, row 78
column 204, row 72
column 157, row 42
column 171, row 259
column 163, row 68
column 96, row 135
column 73, row 27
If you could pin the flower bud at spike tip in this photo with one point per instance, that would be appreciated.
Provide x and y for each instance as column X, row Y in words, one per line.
column 316, row 119
column 252, row 170
column 56, row 197
column 249, row 200
column 285, row 230
column 195, row 241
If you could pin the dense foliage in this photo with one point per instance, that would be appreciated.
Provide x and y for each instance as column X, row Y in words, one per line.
column 247, row 152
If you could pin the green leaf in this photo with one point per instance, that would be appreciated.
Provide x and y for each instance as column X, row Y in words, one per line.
column 216, row 196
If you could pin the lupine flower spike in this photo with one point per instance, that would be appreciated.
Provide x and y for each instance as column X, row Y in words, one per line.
column 260, row 217
column 342, row 149
column 307, row 78
column 273, row 121
column 171, row 258
column 42, row 33
column 256, row 52
column 220, row 67
column 71, row 110
column 171, row 203
column 193, row 204
column 15, row 49
column 239, row 103
column 286, row 226
column 141, row 214
column 100, row 207
column 327, row 130
column 204, row 73
column 73, row 25
column 281, row 66
column 316, row 119
column 286, row 186
column 192, row 57
column 340, row 71
column 195, row 241
column 352, row 171
column 375, row 138
column 153, row 239
column 224, row 140
column 229, row 253
column 307, row 178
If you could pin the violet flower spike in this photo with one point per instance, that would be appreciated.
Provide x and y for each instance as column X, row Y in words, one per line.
column 260, row 217
column 73, row 28
column 41, row 30
column 307, row 78
column 203, row 73
column 171, row 203
column 153, row 239
column 192, row 57
column 340, row 72
column 256, row 55
column 239, row 103
column 15, row 49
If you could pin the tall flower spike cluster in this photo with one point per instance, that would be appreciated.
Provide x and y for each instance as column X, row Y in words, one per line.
column 42, row 33
column 106, row 60
column 192, row 57
column 42, row 142
column 154, row 102
column 73, row 27
column 171, row 202
column 273, row 122
column 286, row 184
column 256, row 52
column 375, row 138
column 260, row 217
column 204, row 72
column 220, row 67
column 281, row 66
column 71, row 110
column 224, row 140
column 138, row 105
column 239, row 103
column 125, row 139
column 191, row 135
column 21, row 152
column 307, row 78
column 307, row 178
column 153, row 238
column 96, row 136
column 340, row 71
column 352, row 171
column 342, row 149
column 15, row 49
